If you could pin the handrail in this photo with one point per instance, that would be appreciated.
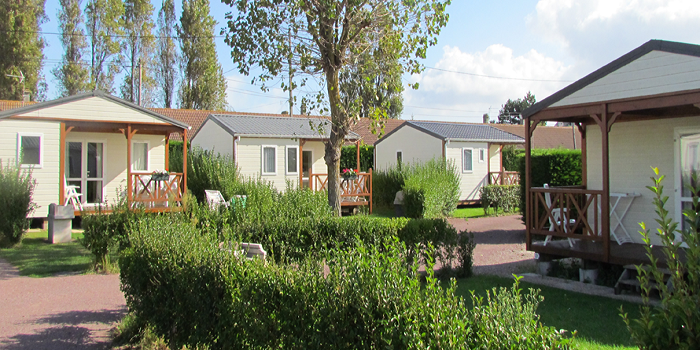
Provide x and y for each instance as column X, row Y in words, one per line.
column 567, row 205
column 152, row 192
column 361, row 186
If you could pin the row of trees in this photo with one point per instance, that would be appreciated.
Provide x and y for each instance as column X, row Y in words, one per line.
column 103, row 38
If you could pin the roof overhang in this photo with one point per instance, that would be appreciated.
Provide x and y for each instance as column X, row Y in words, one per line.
column 350, row 136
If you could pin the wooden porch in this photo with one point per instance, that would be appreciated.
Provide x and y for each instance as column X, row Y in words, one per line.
column 504, row 178
column 354, row 191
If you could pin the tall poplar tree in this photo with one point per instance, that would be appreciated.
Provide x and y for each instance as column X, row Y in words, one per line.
column 203, row 85
column 103, row 24
column 72, row 74
column 21, row 47
column 137, row 51
column 166, row 54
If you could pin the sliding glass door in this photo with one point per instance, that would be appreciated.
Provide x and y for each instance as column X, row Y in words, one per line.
column 85, row 169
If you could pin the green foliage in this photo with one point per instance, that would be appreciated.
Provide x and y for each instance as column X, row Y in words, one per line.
column 511, row 156
column 175, row 159
column 16, row 189
column 465, row 254
column 137, row 51
column 207, row 170
column 104, row 26
column 167, row 56
column 511, row 112
column 71, row 74
column 500, row 197
column 556, row 167
column 431, row 189
column 676, row 323
column 348, row 157
column 203, row 85
column 21, row 47
column 385, row 184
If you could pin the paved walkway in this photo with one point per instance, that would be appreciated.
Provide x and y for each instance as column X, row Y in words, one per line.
column 67, row 312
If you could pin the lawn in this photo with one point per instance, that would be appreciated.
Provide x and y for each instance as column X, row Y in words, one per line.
column 36, row 257
column 596, row 319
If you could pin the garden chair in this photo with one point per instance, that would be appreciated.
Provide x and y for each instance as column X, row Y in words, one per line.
column 251, row 250
column 72, row 195
column 560, row 218
column 215, row 199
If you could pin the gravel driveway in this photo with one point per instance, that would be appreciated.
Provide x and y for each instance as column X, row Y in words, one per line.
column 67, row 312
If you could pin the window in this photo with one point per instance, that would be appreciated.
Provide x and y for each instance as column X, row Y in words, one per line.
column 482, row 155
column 399, row 158
column 467, row 165
column 29, row 150
column 269, row 166
column 139, row 156
column 292, row 160
column 689, row 165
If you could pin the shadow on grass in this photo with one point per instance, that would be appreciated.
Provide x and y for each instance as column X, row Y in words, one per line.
column 36, row 257
column 595, row 318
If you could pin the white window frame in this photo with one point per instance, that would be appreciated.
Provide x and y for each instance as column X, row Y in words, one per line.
column 148, row 155
column 398, row 151
column 286, row 160
column 678, row 133
column 262, row 160
column 482, row 155
column 41, row 149
column 464, row 171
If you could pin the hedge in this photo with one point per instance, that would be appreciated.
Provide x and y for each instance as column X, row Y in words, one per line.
column 503, row 197
column 556, row 167
column 348, row 157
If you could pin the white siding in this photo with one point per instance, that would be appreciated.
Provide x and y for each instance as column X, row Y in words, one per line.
column 495, row 155
column 46, row 191
column 470, row 182
column 250, row 159
column 635, row 147
column 213, row 137
column 94, row 109
column 318, row 152
column 654, row 73
column 415, row 146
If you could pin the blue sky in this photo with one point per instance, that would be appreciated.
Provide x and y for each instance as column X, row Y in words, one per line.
column 513, row 46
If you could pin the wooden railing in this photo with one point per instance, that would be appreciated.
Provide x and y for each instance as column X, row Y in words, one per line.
column 356, row 191
column 580, row 208
column 504, row 178
column 152, row 192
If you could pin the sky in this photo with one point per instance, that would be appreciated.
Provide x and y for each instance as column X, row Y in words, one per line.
column 489, row 52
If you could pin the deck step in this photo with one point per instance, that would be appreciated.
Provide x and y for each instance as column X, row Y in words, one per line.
column 629, row 278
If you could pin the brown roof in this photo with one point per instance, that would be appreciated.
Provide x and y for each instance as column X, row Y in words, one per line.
column 363, row 129
column 546, row 136
column 6, row 104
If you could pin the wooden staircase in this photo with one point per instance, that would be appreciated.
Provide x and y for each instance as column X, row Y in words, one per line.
column 629, row 279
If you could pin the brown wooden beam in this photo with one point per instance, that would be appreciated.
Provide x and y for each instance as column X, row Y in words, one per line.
column 584, row 158
column 301, row 163
column 612, row 120
column 129, row 185
column 605, row 198
column 184, row 162
column 167, row 152
column 528, row 184
column 357, row 146
column 62, row 163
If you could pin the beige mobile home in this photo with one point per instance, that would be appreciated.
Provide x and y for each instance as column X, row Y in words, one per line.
column 637, row 112
column 95, row 144
column 475, row 149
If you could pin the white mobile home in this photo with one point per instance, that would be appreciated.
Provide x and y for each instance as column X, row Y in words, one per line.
column 475, row 149
column 94, row 143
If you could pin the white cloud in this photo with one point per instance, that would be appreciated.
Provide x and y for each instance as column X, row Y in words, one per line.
column 469, row 96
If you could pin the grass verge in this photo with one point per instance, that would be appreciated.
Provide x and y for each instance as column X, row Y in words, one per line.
column 476, row 212
column 596, row 319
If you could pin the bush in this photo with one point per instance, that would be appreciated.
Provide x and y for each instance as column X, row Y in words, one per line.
column 556, row 167
column 465, row 254
column 505, row 197
column 385, row 184
column 511, row 156
column 175, row 157
column 211, row 171
column 676, row 323
column 16, row 190
column 348, row 157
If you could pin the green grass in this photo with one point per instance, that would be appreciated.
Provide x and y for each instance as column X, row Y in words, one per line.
column 36, row 257
column 382, row 212
column 596, row 319
column 475, row 212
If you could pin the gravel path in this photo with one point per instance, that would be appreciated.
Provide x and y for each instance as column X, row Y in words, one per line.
column 66, row 312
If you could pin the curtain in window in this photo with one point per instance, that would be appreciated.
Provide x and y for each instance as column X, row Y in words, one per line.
column 139, row 156
column 467, row 160
column 268, row 160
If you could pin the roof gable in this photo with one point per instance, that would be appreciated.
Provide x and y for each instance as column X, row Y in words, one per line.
column 654, row 68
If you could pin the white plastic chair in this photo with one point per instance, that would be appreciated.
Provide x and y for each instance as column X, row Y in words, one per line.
column 559, row 215
column 215, row 199
column 72, row 196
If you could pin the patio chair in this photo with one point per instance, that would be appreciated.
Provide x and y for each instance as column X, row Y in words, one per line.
column 560, row 218
column 215, row 199
column 251, row 250
column 72, row 195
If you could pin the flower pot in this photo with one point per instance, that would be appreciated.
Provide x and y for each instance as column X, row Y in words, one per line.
column 160, row 177
column 350, row 178
column 587, row 275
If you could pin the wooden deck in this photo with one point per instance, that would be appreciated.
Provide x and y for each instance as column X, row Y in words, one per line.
column 624, row 254
column 354, row 192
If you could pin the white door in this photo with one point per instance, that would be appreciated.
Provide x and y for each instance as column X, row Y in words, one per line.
column 688, row 157
column 85, row 169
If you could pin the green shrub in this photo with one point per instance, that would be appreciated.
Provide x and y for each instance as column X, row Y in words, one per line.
column 207, row 170
column 556, row 167
column 426, row 238
column 465, row 254
column 500, row 197
column 175, row 156
column 348, row 157
column 16, row 190
column 511, row 156
column 431, row 189
column 676, row 323
column 385, row 184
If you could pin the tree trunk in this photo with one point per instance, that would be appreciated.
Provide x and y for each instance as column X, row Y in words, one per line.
column 333, row 145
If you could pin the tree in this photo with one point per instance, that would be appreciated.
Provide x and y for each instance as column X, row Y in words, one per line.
column 21, row 47
column 137, row 49
column 72, row 74
column 326, row 36
column 511, row 112
column 167, row 57
column 203, row 85
column 103, row 23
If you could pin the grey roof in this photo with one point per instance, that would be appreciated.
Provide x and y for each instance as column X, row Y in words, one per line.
column 275, row 127
column 96, row 93
column 464, row 132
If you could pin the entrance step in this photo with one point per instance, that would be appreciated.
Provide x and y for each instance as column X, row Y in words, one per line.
column 629, row 279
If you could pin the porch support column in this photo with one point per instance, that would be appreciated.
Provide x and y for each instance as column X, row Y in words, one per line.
column 184, row 162
column 605, row 200
column 584, row 156
column 62, row 163
column 488, row 162
column 357, row 146
column 528, row 209
column 301, row 163
column 167, row 152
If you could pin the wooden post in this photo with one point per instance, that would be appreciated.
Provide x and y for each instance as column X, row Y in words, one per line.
column 129, row 185
column 605, row 200
column 357, row 146
column 62, row 163
column 584, row 158
column 167, row 152
column 528, row 206
column 370, row 190
column 301, row 163
column 184, row 161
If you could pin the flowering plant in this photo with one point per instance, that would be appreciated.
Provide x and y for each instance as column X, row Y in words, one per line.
column 349, row 173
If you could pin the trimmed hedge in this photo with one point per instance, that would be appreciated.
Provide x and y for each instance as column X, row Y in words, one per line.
column 556, row 167
column 194, row 294
column 348, row 157
column 505, row 197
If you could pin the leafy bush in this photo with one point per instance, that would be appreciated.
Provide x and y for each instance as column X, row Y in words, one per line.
column 511, row 156
column 211, row 171
column 16, row 190
column 426, row 238
column 465, row 254
column 556, row 167
column 175, row 157
column 385, row 184
column 676, row 323
column 194, row 294
column 500, row 197
column 431, row 189
column 348, row 157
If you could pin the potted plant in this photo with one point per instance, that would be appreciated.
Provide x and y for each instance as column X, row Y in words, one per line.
column 349, row 174
column 160, row 175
